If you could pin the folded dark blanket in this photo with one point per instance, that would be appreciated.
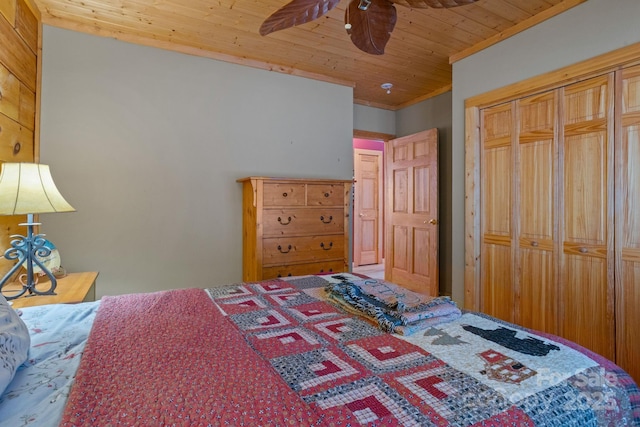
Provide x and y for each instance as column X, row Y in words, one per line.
column 392, row 307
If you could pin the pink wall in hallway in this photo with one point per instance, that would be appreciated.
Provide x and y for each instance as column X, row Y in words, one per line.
column 368, row 144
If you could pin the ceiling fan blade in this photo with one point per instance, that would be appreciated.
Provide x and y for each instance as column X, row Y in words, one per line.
column 438, row 4
column 295, row 13
column 371, row 28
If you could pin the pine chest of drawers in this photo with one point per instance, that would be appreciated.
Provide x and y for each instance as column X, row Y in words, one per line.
column 294, row 227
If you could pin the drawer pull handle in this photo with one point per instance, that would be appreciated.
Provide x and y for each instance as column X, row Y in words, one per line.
column 16, row 148
column 326, row 194
column 583, row 250
column 284, row 223
column 280, row 275
column 326, row 222
column 284, row 194
column 326, row 249
column 534, row 244
column 284, row 252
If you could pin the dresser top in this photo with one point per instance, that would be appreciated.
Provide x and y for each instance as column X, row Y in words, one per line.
column 281, row 179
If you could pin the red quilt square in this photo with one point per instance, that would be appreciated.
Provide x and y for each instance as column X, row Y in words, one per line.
column 240, row 305
column 383, row 353
column 313, row 311
column 284, row 342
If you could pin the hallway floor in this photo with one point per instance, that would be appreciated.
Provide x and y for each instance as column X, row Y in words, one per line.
column 375, row 271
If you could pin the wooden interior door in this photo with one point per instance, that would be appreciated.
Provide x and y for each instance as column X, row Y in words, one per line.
column 587, row 280
column 627, row 216
column 368, row 213
column 411, row 214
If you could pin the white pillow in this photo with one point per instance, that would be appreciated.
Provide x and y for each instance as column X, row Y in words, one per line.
column 14, row 343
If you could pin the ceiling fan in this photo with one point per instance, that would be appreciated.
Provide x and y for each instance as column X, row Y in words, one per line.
column 368, row 22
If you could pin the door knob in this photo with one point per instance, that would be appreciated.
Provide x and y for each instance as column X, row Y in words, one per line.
column 433, row 221
column 361, row 215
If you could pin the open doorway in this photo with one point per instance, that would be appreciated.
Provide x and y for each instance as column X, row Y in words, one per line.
column 368, row 207
column 395, row 217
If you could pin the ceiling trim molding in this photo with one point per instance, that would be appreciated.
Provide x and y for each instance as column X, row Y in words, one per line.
column 96, row 30
column 376, row 136
column 522, row 26
column 374, row 104
column 430, row 95
column 406, row 104
column 34, row 9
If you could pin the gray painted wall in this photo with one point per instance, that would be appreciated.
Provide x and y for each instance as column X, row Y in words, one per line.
column 374, row 119
column 147, row 145
column 585, row 31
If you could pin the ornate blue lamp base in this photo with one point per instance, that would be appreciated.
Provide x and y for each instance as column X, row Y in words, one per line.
column 27, row 249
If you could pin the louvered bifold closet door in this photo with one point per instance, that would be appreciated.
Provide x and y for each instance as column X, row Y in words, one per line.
column 497, row 259
column 628, row 223
column 586, row 153
column 535, row 203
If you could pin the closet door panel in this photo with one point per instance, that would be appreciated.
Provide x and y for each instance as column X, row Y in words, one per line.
column 585, row 190
column 497, row 191
column 587, row 316
column 628, row 227
column 496, row 198
column 537, row 295
column 497, row 270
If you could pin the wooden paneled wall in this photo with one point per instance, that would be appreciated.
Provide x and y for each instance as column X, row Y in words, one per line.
column 20, row 35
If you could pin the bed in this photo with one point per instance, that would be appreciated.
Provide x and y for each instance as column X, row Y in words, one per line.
column 321, row 350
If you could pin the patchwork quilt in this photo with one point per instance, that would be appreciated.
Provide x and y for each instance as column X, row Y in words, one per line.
column 279, row 353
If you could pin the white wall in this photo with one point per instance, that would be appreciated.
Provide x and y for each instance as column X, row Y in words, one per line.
column 147, row 145
column 585, row 31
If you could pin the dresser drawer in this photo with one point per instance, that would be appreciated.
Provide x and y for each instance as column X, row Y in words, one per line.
column 303, row 269
column 325, row 195
column 298, row 222
column 294, row 226
column 283, row 194
column 287, row 250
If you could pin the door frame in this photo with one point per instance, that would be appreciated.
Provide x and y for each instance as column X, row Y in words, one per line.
column 380, row 209
column 374, row 136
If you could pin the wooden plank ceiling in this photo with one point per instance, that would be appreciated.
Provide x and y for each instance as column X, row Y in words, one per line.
column 416, row 60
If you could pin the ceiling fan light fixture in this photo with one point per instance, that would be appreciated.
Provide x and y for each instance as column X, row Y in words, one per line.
column 387, row 87
column 364, row 4
column 369, row 23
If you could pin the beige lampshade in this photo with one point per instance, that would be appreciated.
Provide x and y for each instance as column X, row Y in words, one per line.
column 27, row 188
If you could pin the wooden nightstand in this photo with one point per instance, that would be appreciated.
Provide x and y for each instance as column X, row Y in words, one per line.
column 73, row 288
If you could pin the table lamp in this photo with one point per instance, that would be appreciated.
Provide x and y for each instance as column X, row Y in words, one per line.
column 27, row 188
